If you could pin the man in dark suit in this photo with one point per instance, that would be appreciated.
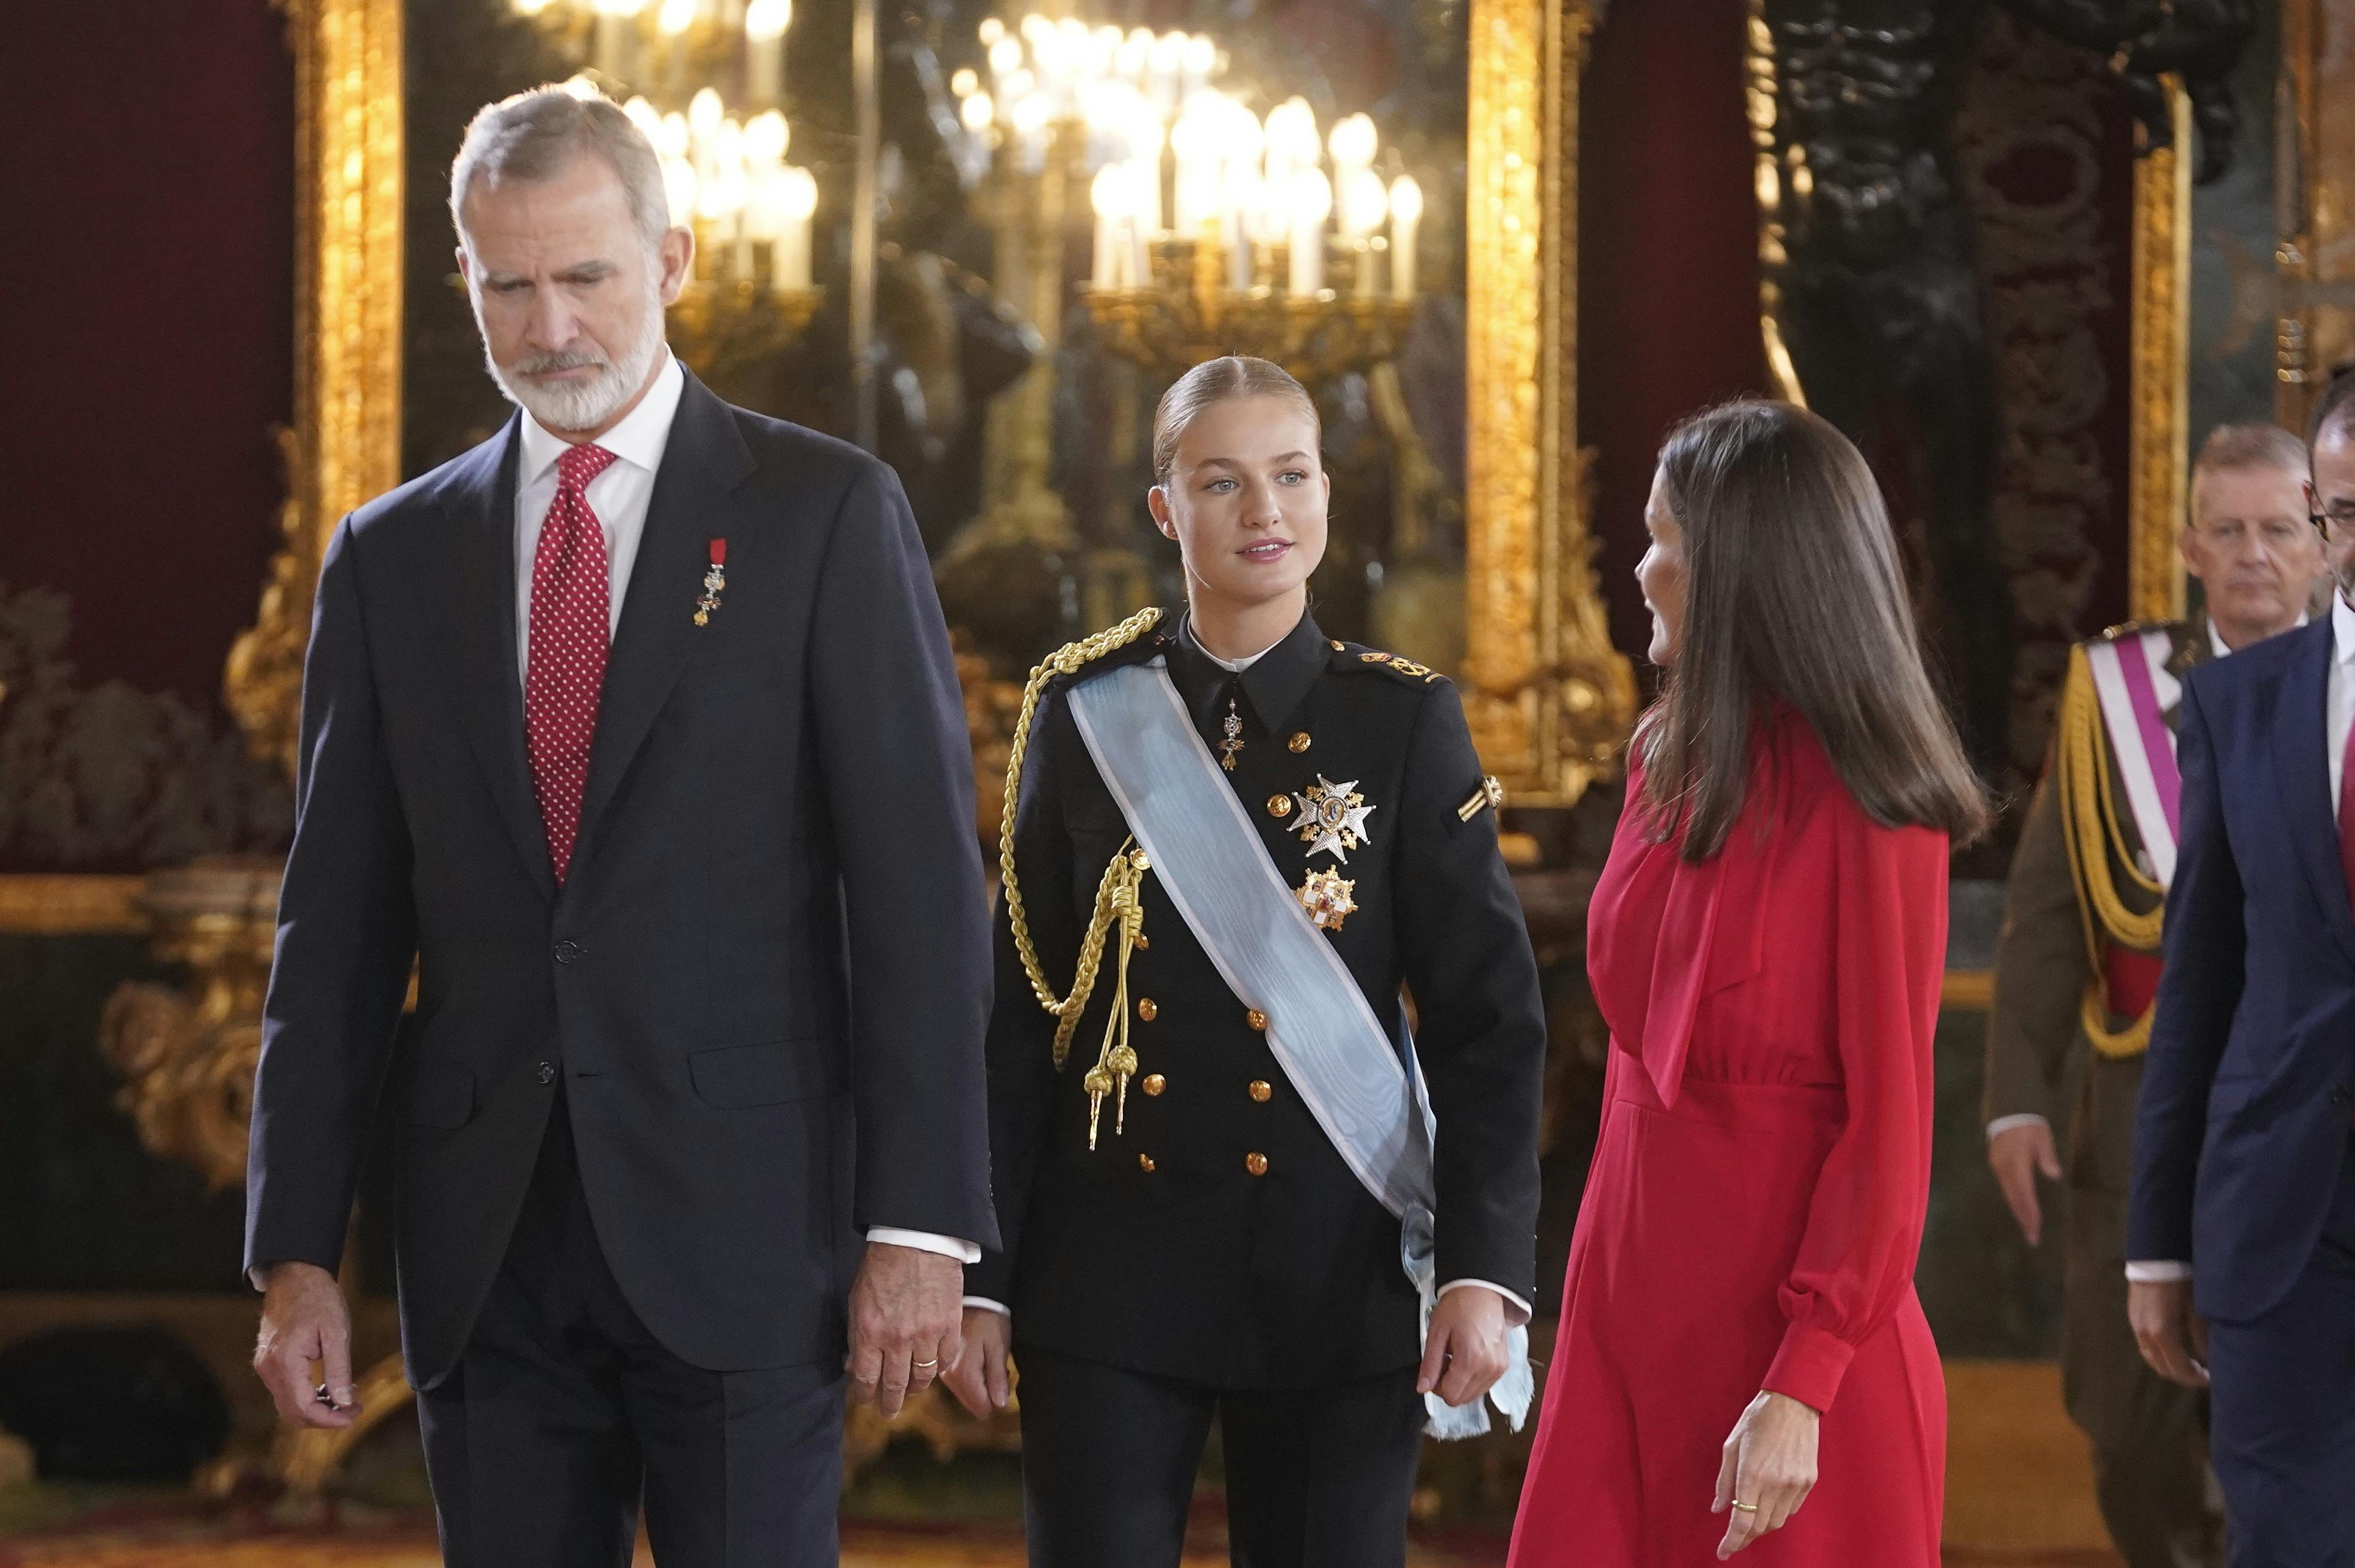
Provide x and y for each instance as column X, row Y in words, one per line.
column 635, row 731
column 2241, row 1231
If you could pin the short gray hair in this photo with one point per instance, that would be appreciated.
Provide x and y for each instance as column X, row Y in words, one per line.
column 536, row 135
column 2256, row 445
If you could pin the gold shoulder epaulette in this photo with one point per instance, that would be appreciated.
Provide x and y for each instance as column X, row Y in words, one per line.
column 2091, row 829
column 1398, row 665
column 2126, row 629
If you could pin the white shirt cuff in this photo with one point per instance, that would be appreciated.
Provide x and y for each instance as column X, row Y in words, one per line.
column 2157, row 1273
column 988, row 1305
column 925, row 1241
column 1513, row 1303
column 2005, row 1124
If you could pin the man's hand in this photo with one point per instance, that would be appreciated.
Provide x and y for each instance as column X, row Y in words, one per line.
column 903, row 1323
column 1766, row 1469
column 2017, row 1155
column 977, row 1376
column 304, row 1321
column 1464, row 1355
column 2160, row 1312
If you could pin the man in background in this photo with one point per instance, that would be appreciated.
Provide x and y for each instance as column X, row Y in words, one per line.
column 2077, row 965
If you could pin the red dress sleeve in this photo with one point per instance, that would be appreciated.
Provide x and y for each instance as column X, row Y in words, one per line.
column 1863, row 1233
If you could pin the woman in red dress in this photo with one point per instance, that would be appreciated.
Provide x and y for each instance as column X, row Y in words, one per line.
column 1742, row 1362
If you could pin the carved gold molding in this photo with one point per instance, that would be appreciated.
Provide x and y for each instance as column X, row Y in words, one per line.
column 2159, row 458
column 345, row 446
column 1549, row 699
column 71, row 906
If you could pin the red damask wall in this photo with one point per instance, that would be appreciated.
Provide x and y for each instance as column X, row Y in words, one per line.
column 146, row 323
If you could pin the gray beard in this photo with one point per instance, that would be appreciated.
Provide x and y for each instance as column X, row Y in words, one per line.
column 590, row 404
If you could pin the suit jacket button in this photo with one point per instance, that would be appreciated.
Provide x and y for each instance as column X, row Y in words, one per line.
column 1256, row 1018
column 1256, row 1163
column 1147, row 1009
column 1154, row 1084
column 548, row 1073
column 1144, row 1163
column 566, row 952
column 1279, row 805
column 1261, row 1091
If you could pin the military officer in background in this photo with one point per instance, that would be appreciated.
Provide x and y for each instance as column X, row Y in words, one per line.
column 2077, row 963
column 1229, row 1189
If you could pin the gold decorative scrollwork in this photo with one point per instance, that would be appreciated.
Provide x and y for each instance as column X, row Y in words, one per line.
column 345, row 445
column 1550, row 700
column 2159, row 445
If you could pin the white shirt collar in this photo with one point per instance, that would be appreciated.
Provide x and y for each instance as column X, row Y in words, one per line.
column 2342, row 628
column 2217, row 647
column 638, row 440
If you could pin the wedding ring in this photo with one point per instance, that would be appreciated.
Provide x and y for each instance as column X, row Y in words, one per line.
column 1745, row 1507
column 924, row 1366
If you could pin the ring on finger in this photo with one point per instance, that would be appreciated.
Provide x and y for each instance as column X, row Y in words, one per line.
column 924, row 1366
column 1745, row 1507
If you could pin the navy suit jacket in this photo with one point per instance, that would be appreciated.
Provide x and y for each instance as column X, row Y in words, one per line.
column 2244, row 1118
column 761, row 989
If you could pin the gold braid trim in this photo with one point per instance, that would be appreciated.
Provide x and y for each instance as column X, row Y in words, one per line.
column 1120, row 879
column 2097, row 842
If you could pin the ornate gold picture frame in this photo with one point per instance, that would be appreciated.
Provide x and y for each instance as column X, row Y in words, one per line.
column 1549, row 699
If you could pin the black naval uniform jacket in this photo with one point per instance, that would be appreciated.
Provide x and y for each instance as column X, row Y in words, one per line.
column 1220, row 1238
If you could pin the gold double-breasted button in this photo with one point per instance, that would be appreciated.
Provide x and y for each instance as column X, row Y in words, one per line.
column 1299, row 741
column 1279, row 805
column 1256, row 1163
column 1143, row 942
column 1144, row 1163
column 1154, row 1084
column 1261, row 1090
column 1256, row 1018
column 1145, row 1009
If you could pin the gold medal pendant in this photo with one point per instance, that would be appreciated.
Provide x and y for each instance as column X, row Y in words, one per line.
column 1231, row 727
column 1327, row 896
column 1333, row 817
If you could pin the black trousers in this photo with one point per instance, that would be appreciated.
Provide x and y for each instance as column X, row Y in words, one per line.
column 565, row 1410
column 1316, row 1477
column 2282, row 1396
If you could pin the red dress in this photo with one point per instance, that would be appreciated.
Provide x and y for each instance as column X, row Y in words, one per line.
column 1757, row 1195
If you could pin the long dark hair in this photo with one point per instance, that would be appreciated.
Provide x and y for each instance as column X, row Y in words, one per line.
column 1793, row 590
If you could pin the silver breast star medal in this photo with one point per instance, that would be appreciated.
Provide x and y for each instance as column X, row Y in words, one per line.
column 1329, row 897
column 714, row 580
column 1231, row 727
column 1333, row 817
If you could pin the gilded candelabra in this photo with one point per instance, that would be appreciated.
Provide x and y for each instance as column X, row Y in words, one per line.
column 1190, row 314
column 730, row 329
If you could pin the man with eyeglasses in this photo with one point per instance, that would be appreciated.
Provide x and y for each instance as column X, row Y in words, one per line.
column 2241, row 1223
column 2077, row 965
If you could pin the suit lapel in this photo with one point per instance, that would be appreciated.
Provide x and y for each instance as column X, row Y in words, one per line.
column 702, row 463
column 2302, row 767
column 480, row 499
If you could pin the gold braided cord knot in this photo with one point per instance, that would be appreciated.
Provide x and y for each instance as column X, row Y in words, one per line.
column 1120, row 879
column 2096, row 841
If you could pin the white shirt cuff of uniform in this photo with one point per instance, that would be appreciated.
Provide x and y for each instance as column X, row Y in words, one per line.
column 1514, row 1304
column 925, row 1241
column 988, row 1305
column 2005, row 1124
column 2157, row 1273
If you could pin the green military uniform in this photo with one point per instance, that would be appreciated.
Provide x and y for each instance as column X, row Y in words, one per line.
column 2081, row 881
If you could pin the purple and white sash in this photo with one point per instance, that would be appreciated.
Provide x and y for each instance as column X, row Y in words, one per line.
column 2134, row 691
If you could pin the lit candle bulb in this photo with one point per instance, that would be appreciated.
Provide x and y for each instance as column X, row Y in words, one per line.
column 1406, row 212
column 1108, row 194
column 790, row 268
column 766, row 22
column 976, row 111
column 964, row 83
column 1312, row 203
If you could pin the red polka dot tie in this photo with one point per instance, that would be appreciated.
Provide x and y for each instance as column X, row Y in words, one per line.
column 568, row 632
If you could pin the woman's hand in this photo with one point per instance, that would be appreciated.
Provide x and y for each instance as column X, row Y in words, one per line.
column 1769, row 1469
column 977, row 1377
column 1463, row 1354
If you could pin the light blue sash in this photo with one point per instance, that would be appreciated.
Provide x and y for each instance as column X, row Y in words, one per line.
column 1370, row 1102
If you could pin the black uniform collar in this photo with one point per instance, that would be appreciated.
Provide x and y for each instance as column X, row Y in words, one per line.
column 1277, row 682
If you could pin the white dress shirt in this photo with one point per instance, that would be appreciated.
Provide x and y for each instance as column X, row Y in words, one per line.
column 1517, row 1310
column 620, row 497
column 2338, row 718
